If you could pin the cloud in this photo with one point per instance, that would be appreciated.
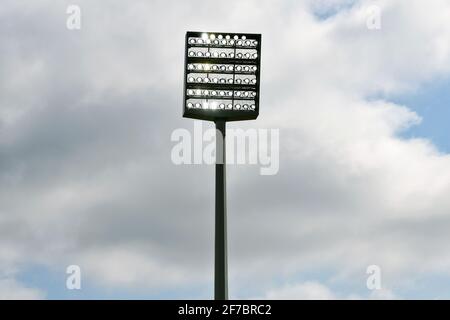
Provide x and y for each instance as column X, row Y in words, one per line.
column 127, row 267
column 383, row 294
column 12, row 290
column 85, row 170
column 312, row 290
column 303, row 291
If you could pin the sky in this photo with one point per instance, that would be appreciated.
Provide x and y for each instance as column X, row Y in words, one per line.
column 87, row 179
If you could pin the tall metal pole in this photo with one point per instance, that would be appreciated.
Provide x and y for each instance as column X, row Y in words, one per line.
column 220, row 259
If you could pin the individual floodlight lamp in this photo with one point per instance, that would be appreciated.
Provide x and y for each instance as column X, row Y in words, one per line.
column 221, row 83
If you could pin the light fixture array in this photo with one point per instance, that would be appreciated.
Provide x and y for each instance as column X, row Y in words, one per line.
column 222, row 76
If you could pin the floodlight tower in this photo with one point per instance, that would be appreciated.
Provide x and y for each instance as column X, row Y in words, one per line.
column 221, row 83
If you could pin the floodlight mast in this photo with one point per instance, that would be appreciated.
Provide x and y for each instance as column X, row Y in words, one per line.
column 221, row 83
column 220, row 252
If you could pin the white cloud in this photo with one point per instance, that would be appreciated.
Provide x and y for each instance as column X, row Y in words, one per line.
column 311, row 290
column 303, row 291
column 10, row 289
column 383, row 294
column 125, row 267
